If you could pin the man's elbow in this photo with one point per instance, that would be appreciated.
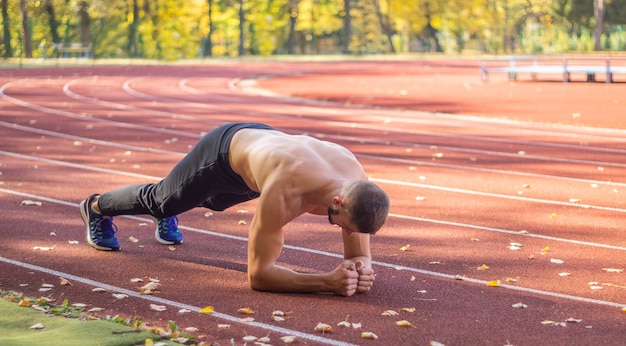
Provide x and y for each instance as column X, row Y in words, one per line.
column 258, row 281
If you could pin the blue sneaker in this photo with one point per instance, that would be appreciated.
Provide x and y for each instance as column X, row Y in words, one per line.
column 167, row 231
column 100, row 229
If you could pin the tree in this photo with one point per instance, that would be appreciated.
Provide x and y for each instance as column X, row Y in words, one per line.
column 242, row 28
column 347, row 25
column 6, row 28
column 598, row 13
column 384, row 25
column 84, row 23
column 27, row 41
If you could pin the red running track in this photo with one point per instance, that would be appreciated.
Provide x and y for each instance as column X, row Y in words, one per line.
column 546, row 170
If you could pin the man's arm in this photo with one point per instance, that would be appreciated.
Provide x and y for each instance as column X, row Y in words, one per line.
column 265, row 243
column 357, row 250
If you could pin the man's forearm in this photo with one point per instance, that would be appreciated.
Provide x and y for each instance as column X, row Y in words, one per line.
column 280, row 279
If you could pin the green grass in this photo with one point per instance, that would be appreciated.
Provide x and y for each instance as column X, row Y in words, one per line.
column 16, row 322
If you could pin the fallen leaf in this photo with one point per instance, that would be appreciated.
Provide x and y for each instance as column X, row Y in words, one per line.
column 288, row 339
column 369, row 335
column 98, row 290
column 553, row 216
column 37, row 326
column 184, row 311
column 158, row 307
column 520, row 306
column 223, row 326
column 28, row 202
column 278, row 318
column 149, row 288
column 79, row 305
column 249, row 338
column 323, row 328
column 483, row 267
column 133, row 239
column 264, row 340
column 405, row 247
column 191, row 329
column 411, row 310
column 474, row 239
column 435, row 343
column 65, row 282
column 573, row 320
column 245, row 311
column 344, row 324
column 556, row 261
column 95, row 310
column 120, row 295
column 242, row 222
column 613, row 270
column 246, row 319
column 404, row 323
column 207, row 310
column 389, row 313
column 356, row 325
column 24, row 302
column 493, row 283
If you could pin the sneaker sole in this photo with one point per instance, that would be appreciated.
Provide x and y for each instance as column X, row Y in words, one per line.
column 161, row 240
column 85, row 215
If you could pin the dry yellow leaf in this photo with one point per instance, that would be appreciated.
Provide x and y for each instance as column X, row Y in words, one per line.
column 404, row 323
column 24, row 302
column 613, row 270
column 133, row 239
column 493, row 283
column 389, row 313
column 408, row 309
column 207, row 310
column 323, row 328
column 149, row 342
column 158, row 307
column 369, row 335
column 149, row 288
column 344, row 324
column 553, row 216
column 405, row 248
column 474, row 239
column 245, row 311
column 483, row 267
column 65, row 281
column 624, row 309
column 288, row 339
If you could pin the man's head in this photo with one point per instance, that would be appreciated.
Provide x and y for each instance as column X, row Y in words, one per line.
column 367, row 206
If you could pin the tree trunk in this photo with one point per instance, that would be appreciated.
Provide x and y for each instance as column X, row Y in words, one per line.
column 208, row 47
column 598, row 12
column 293, row 19
column 347, row 25
column 384, row 25
column 27, row 43
column 85, row 23
column 132, row 31
column 242, row 28
column 8, row 50
column 52, row 22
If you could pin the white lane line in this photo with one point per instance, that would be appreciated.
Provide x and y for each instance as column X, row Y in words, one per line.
column 378, row 263
column 330, row 123
column 179, row 305
column 128, row 88
column 378, row 180
column 488, row 170
column 84, row 117
column 497, row 195
column 507, row 231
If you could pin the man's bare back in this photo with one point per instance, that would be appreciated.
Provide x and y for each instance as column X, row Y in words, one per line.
column 303, row 165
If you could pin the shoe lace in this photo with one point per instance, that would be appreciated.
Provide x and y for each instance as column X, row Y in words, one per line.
column 103, row 227
column 168, row 225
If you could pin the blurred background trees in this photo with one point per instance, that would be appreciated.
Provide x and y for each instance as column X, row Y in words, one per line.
column 170, row 30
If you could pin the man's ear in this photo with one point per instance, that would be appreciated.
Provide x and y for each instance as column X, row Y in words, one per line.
column 338, row 201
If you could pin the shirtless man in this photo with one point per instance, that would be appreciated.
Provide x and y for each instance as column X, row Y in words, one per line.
column 291, row 175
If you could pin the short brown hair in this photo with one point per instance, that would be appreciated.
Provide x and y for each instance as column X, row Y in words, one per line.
column 368, row 205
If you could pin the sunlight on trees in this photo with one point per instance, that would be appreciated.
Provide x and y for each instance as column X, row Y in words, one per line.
column 171, row 30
